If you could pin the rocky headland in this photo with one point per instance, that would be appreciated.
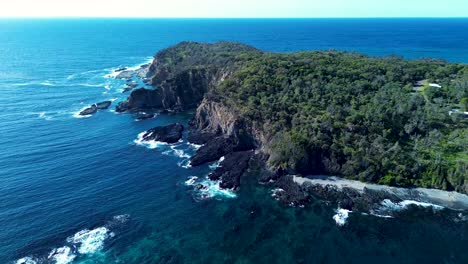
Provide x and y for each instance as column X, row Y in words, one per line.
column 288, row 114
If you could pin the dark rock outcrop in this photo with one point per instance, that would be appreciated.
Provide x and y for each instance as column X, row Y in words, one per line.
column 127, row 89
column 169, row 134
column 121, row 107
column 125, row 74
column 132, row 84
column 183, row 75
column 290, row 193
column 184, row 92
column 142, row 116
column 217, row 147
column 89, row 111
column 144, row 99
column 103, row 105
column 231, row 169
column 121, row 69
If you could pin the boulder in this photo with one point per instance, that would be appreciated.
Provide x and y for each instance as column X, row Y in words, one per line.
column 142, row 116
column 169, row 134
column 290, row 193
column 231, row 169
column 127, row 89
column 103, row 105
column 132, row 84
column 125, row 74
column 121, row 107
column 213, row 150
column 89, row 111
column 121, row 69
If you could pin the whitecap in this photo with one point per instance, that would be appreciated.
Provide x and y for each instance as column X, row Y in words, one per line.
column 26, row 260
column 90, row 241
column 47, row 83
column 387, row 207
column 191, row 181
column 77, row 114
column 388, row 204
column 151, row 144
column 62, row 255
column 121, row 219
column 43, row 83
column 341, row 216
column 73, row 76
column 195, row 146
column 44, row 116
column 184, row 164
column 88, row 85
column 180, row 153
column 211, row 189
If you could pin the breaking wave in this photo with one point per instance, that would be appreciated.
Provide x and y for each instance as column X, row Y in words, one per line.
column 151, row 144
column 341, row 216
column 207, row 189
column 83, row 243
column 387, row 208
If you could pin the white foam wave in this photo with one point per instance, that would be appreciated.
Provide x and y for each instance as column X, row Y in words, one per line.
column 211, row 189
column 73, row 76
column 387, row 207
column 191, row 181
column 89, row 85
column 43, row 83
column 90, row 240
column 44, row 116
column 77, row 113
column 195, row 146
column 47, row 83
column 388, row 204
column 184, row 164
column 216, row 164
column 84, row 242
column 180, row 153
column 26, row 260
column 113, row 73
column 341, row 216
column 121, row 219
column 151, row 144
column 62, row 255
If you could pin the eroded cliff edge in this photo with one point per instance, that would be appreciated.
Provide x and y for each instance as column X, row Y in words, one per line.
column 331, row 113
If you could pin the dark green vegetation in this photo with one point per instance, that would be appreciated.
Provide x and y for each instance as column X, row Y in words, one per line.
column 345, row 114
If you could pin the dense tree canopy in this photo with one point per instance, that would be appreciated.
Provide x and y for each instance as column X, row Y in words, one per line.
column 351, row 115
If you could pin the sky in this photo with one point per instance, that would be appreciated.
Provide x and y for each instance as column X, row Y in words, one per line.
column 234, row 8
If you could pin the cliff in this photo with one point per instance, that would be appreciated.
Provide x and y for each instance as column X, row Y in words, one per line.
column 333, row 113
column 183, row 74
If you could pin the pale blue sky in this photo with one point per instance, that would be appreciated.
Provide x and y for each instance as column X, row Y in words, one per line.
column 234, row 8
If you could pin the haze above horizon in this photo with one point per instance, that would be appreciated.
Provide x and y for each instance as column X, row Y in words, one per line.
column 236, row 9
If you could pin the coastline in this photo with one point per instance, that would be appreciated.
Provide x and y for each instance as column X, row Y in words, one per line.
column 452, row 200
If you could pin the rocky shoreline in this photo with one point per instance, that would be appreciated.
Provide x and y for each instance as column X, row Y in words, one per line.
column 240, row 145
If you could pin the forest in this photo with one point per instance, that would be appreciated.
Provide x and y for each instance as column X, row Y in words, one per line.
column 376, row 119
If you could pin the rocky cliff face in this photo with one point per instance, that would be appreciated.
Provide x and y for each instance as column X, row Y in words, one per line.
column 183, row 74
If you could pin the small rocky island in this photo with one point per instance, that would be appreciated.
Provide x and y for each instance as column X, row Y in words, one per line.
column 311, row 113
column 95, row 107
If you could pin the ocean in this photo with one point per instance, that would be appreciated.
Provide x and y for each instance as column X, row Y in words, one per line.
column 84, row 190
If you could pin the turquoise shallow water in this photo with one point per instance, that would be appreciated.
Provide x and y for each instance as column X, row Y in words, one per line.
column 79, row 190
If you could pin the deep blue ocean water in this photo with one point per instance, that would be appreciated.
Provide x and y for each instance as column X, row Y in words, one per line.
column 79, row 190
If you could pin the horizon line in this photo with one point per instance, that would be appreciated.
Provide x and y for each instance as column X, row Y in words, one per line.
column 133, row 17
